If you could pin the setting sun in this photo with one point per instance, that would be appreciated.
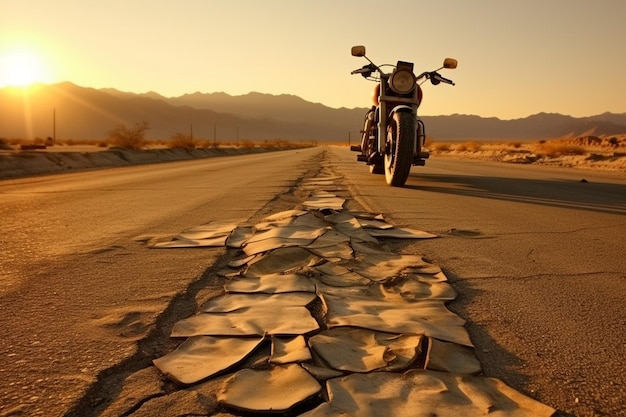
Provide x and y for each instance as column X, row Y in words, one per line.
column 21, row 68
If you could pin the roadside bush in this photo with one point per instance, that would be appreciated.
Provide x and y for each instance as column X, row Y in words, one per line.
column 182, row 140
column 246, row 144
column 474, row 146
column 553, row 150
column 440, row 147
column 204, row 144
column 129, row 137
column 471, row 146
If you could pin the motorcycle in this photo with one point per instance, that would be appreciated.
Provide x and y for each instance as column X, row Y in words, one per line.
column 393, row 136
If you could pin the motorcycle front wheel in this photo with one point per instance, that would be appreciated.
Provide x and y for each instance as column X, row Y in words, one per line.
column 399, row 148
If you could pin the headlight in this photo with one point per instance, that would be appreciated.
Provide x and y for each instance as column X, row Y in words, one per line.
column 402, row 81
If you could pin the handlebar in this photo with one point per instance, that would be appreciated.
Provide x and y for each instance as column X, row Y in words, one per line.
column 365, row 69
column 435, row 78
column 360, row 71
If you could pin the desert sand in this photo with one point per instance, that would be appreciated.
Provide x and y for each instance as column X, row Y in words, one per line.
column 588, row 152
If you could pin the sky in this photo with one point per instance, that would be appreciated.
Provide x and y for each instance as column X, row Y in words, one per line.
column 516, row 57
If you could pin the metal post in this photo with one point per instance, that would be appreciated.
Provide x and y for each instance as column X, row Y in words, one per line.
column 54, row 126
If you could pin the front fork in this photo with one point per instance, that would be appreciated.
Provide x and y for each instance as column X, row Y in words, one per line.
column 419, row 154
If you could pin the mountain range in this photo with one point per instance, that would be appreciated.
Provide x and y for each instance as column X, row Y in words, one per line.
column 69, row 111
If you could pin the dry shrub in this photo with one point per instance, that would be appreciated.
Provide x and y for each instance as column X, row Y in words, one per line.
column 246, row 144
column 283, row 143
column 471, row 146
column 182, row 140
column 440, row 147
column 204, row 143
column 277, row 143
column 474, row 146
column 555, row 149
column 129, row 137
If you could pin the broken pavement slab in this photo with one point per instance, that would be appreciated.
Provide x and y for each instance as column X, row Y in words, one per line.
column 424, row 393
column 271, row 284
column 351, row 349
column 207, row 235
column 274, row 390
column 289, row 350
column 339, row 307
column 188, row 364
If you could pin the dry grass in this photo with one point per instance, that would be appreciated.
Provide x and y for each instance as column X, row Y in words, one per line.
column 440, row 146
column 555, row 149
column 179, row 140
column 471, row 146
column 600, row 153
column 548, row 148
column 182, row 141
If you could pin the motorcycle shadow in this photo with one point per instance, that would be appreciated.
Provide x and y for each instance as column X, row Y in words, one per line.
column 580, row 195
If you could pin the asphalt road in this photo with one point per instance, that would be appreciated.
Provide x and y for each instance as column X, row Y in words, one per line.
column 539, row 258
column 80, row 290
column 536, row 255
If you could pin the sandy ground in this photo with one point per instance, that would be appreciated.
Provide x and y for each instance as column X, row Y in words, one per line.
column 589, row 152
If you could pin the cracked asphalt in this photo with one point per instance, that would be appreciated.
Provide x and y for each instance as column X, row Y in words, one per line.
column 536, row 255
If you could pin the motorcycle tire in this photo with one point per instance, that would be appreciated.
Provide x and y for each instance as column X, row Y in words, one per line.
column 399, row 148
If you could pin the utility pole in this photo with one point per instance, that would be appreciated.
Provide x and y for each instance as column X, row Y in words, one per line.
column 191, row 131
column 215, row 134
column 54, row 126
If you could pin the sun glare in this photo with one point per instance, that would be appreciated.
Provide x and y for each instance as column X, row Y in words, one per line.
column 21, row 68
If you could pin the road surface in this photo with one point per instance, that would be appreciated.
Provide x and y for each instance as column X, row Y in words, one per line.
column 536, row 255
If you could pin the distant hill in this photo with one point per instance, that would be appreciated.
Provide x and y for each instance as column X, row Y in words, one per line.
column 87, row 113
column 538, row 126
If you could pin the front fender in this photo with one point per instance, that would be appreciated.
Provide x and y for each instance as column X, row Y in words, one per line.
column 402, row 108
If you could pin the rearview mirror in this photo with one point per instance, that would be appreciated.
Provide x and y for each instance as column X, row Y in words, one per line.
column 358, row 50
column 449, row 63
